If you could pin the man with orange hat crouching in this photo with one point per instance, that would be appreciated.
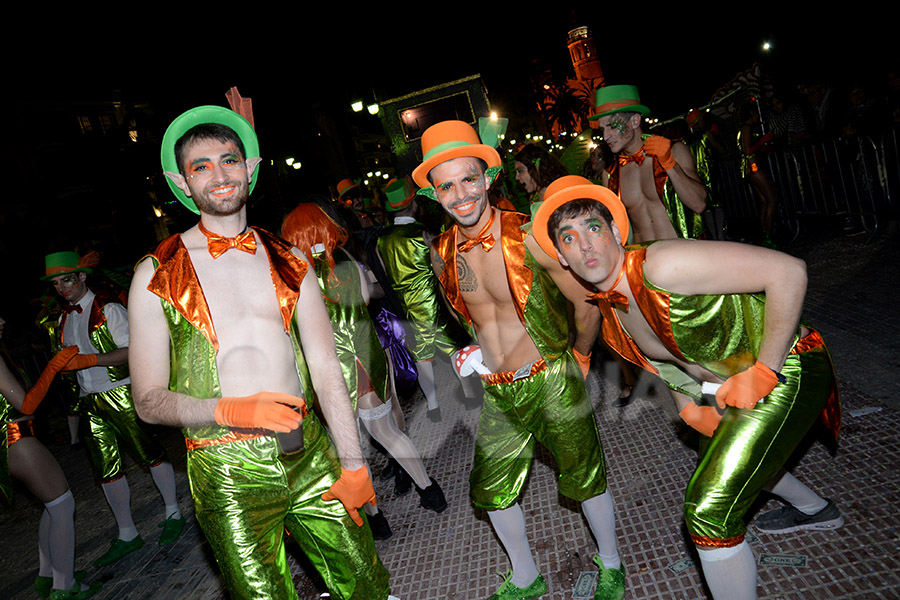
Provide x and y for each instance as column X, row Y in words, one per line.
column 710, row 313
column 654, row 177
column 511, row 297
column 98, row 326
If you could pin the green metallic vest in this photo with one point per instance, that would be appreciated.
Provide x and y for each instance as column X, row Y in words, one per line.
column 354, row 333
column 194, row 370
column 100, row 336
column 541, row 307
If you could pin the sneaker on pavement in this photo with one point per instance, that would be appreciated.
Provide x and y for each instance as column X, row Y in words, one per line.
column 381, row 529
column 118, row 550
column 509, row 591
column 432, row 497
column 610, row 582
column 171, row 529
column 787, row 519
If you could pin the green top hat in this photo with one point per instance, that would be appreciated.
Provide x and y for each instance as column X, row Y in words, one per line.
column 400, row 194
column 200, row 116
column 63, row 263
column 618, row 98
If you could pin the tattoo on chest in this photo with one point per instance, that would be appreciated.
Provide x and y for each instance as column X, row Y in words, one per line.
column 467, row 280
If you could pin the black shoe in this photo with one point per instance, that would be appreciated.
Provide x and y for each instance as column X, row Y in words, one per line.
column 402, row 482
column 389, row 470
column 432, row 497
column 381, row 530
column 788, row 519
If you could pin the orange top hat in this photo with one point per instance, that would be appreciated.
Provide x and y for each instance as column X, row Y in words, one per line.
column 345, row 185
column 448, row 140
column 574, row 187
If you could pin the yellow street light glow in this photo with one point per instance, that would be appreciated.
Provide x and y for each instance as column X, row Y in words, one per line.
column 373, row 109
column 493, row 116
column 289, row 161
column 357, row 106
column 767, row 46
column 296, row 165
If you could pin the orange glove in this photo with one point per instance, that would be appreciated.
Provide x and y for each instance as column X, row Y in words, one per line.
column 661, row 148
column 704, row 419
column 748, row 387
column 81, row 361
column 353, row 489
column 583, row 361
column 36, row 394
column 265, row 409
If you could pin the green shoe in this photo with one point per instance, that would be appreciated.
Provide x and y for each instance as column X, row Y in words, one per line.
column 44, row 585
column 118, row 550
column 508, row 591
column 610, row 582
column 171, row 530
column 77, row 593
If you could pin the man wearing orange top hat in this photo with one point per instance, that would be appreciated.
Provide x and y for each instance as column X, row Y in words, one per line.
column 98, row 326
column 706, row 313
column 654, row 177
column 511, row 296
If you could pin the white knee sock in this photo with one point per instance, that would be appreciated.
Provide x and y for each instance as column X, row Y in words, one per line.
column 74, row 421
column 730, row 572
column 801, row 497
column 509, row 524
column 601, row 517
column 164, row 477
column 118, row 494
column 46, row 567
column 61, row 540
column 426, row 382
column 381, row 425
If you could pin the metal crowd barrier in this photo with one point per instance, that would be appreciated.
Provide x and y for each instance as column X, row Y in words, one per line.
column 856, row 179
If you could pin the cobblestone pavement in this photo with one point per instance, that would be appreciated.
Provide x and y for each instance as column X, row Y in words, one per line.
column 456, row 555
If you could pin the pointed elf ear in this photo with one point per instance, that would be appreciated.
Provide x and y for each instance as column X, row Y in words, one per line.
column 179, row 180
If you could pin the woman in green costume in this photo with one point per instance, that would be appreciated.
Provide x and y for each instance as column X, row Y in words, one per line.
column 364, row 362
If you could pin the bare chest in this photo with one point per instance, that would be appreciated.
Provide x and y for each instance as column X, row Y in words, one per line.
column 637, row 185
column 482, row 279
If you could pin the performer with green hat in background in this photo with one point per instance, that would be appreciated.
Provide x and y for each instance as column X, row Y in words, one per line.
column 233, row 344
column 98, row 326
column 404, row 248
column 663, row 195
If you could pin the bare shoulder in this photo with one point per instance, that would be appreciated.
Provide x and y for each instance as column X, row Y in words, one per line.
column 682, row 155
column 712, row 267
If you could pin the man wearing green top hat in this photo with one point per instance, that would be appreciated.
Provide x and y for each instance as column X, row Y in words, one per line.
column 404, row 250
column 511, row 296
column 654, row 177
column 98, row 326
column 221, row 350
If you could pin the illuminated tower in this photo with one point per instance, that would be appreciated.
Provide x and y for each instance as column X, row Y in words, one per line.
column 584, row 57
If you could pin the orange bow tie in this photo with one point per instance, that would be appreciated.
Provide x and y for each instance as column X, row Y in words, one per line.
column 637, row 157
column 219, row 244
column 612, row 297
column 70, row 308
column 484, row 238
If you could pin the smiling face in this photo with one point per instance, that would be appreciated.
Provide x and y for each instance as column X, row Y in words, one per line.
column 216, row 176
column 461, row 187
column 71, row 287
column 621, row 132
column 589, row 246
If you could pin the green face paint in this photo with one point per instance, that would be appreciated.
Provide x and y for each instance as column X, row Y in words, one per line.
column 619, row 124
